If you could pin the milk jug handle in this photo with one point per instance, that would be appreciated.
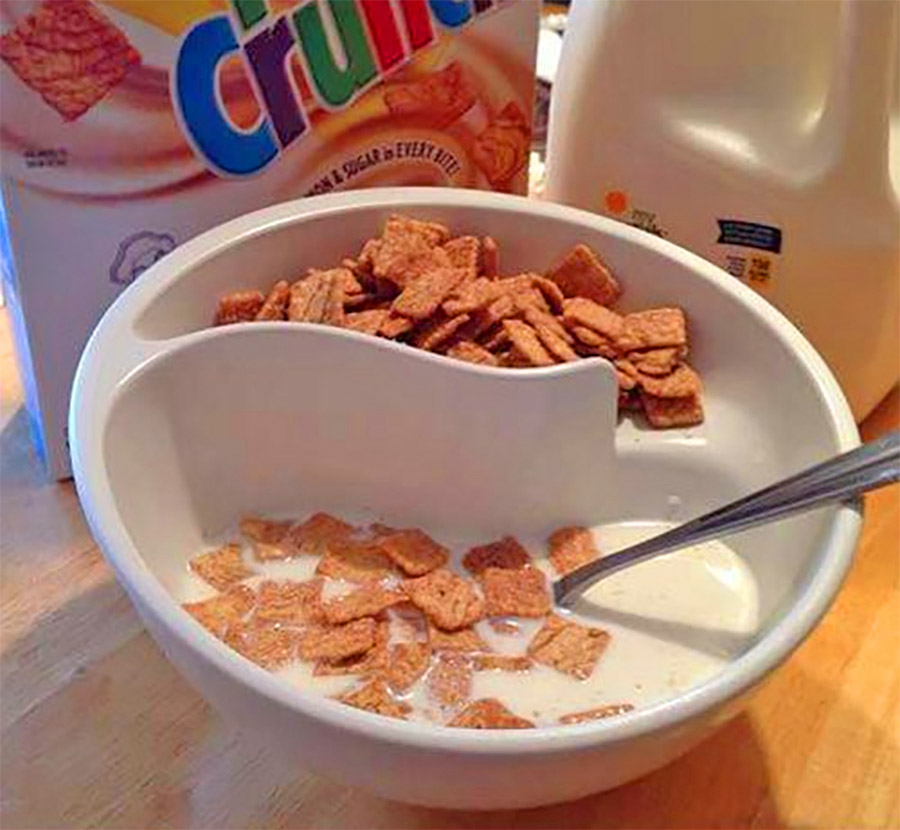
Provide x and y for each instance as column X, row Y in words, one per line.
column 859, row 101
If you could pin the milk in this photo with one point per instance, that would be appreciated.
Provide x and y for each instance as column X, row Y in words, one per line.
column 674, row 621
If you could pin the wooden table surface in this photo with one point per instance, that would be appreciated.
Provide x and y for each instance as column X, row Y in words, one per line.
column 98, row 730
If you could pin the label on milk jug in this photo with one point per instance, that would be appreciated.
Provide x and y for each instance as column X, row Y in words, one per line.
column 757, row 266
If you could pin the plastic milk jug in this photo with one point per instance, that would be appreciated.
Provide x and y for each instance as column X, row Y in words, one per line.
column 764, row 137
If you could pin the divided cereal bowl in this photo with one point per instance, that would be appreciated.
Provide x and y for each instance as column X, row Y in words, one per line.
column 179, row 429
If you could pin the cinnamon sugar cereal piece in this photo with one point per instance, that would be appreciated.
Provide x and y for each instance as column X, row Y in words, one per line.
column 373, row 661
column 311, row 536
column 221, row 568
column 568, row 646
column 301, row 295
column 438, row 330
column 276, row 303
column 548, row 328
column 465, row 254
column 486, row 318
column 489, row 713
column 551, row 292
column 664, row 413
column 414, row 551
column 496, row 342
column 355, row 560
column 367, row 322
column 447, row 599
column 395, row 326
column 472, row 295
column 336, row 642
column 490, row 257
column 264, row 530
column 528, row 299
column 609, row 711
column 422, row 297
column 654, row 328
column 501, row 662
column 375, row 697
column 238, row 307
column 627, row 375
column 501, row 150
column 515, row 593
column 319, row 297
column 471, row 352
column 657, row 361
column 466, row 639
column 570, row 548
column 449, row 681
column 588, row 342
column 590, row 315
column 406, row 664
column 581, row 273
column 70, row 54
column 526, row 345
column 365, row 601
column 504, row 553
column 266, row 645
column 289, row 602
column 682, row 383
column 438, row 99
column 432, row 233
column 220, row 612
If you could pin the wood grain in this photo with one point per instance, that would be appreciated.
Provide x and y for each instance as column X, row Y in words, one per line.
column 97, row 729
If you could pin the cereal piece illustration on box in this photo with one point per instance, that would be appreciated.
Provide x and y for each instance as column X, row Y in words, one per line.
column 137, row 253
column 501, row 150
column 69, row 53
column 438, row 99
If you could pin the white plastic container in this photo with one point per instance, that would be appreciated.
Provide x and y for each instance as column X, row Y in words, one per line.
column 760, row 136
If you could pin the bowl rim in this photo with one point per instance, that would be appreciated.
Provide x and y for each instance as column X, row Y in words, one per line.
column 738, row 676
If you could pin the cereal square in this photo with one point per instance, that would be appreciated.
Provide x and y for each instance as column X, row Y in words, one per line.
column 421, row 297
column 568, row 646
column 654, row 328
column 375, row 697
column 355, row 560
column 504, row 553
column 373, row 661
column 583, row 313
column 437, row 331
column 581, row 273
column 682, row 383
column 337, row 642
column 572, row 547
column 449, row 681
column 470, row 352
column 311, row 536
column 515, row 593
column 664, row 413
column 657, row 361
column 395, row 326
column 219, row 612
column 239, row 307
column 264, row 530
column 438, row 98
column 448, row 600
column 365, row 601
column 600, row 712
column 406, row 664
column 490, row 257
column 367, row 322
column 266, row 645
column 465, row 639
column 526, row 344
column 501, row 662
column 489, row 713
column 70, row 54
column 414, row 551
column 289, row 602
column 465, row 253
column 472, row 295
column 276, row 304
column 221, row 568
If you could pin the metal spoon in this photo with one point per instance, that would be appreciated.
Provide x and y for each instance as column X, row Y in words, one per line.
column 868, row 467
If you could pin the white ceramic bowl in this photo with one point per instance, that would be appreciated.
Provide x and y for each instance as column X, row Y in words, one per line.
column 177, row 429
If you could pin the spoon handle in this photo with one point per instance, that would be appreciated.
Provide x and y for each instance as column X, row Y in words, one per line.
column 868, row 467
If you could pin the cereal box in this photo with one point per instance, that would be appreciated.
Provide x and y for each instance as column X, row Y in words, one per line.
column 129, row 126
